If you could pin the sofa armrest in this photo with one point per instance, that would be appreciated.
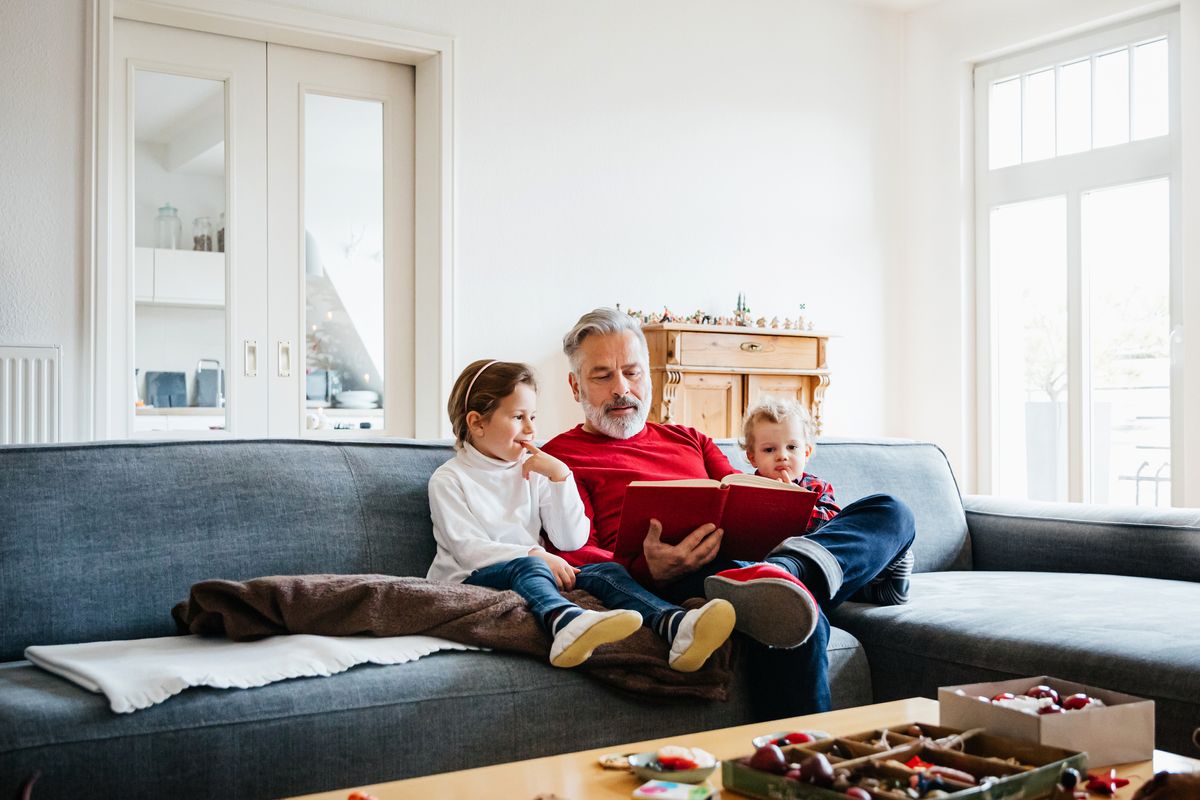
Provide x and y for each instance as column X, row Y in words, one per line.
column 1023, row 535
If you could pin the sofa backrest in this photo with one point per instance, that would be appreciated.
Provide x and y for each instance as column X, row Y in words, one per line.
column 99, row 541
column 915, row 472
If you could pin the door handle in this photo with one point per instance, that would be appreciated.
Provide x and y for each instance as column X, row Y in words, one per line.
column 250, row 358
column 283, row 353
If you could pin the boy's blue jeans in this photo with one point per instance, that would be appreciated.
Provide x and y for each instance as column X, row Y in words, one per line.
column 610, row 583
column 864, row 538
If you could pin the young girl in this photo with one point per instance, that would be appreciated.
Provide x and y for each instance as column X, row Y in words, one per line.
column 778, row 437
column 492, row 500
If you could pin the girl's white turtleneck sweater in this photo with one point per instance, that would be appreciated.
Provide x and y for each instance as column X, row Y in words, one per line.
column 485, row 512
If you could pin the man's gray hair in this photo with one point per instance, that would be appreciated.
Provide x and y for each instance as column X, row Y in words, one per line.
column 602, row 321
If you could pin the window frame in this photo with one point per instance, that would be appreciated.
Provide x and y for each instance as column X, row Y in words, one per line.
column 1073, row 175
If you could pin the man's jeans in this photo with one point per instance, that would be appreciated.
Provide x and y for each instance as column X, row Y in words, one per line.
column 864, row 538
column 609, row 583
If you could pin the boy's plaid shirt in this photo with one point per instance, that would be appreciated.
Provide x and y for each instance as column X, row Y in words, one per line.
column 826, row 507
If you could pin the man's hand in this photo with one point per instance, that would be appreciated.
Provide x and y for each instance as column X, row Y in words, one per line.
column 543, row 464
column 667, row 562
column 564, row 573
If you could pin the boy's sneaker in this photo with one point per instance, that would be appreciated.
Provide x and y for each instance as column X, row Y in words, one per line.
column 773, row 606
column 575, row 641
column 890, row 587
column 700, row 633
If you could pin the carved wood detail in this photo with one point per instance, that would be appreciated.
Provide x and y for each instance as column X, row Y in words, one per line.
column 671, row 380
column 673, row 353
column 819, row 400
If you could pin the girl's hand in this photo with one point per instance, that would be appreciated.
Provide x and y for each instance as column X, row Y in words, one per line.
column 564, row 573
column 543, row 464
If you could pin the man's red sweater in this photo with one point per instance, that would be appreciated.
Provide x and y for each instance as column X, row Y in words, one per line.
column 604, row 467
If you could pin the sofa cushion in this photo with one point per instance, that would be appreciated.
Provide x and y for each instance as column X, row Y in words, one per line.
column 99, row 541
column 915, row 472
column 367, row 724
column 1108, row 631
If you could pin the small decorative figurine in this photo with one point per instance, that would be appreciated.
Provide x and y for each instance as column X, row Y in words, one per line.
column 774, row 322
column 741, row 314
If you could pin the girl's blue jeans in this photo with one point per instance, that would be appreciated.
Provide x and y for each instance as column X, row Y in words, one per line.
column 610, row 583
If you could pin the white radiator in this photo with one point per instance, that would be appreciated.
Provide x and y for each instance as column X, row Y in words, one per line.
column 30, row 394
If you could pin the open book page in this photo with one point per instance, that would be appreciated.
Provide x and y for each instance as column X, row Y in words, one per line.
column 685, row 482
column 743, row 479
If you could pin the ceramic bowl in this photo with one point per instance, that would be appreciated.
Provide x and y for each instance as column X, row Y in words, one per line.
column 759, row 741
column 358, row 396
column 645, row 766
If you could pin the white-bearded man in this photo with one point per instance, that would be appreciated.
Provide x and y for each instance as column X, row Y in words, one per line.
column 780, row 602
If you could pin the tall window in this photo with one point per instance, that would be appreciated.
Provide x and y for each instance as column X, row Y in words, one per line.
column 1077, row 183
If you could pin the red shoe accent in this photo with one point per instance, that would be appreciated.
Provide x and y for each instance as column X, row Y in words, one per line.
column 764, row 570
column 772, row 605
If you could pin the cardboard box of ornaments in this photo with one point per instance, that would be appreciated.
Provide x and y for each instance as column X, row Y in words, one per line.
column 1120, row 731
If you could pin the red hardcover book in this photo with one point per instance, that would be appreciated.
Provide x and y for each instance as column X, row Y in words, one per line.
column 756, row 513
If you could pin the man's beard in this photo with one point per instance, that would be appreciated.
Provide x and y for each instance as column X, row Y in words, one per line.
column 621, row 427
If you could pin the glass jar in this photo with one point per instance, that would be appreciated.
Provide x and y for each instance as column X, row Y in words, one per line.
column 221, row 233
column 202, row 234
column 168, row 230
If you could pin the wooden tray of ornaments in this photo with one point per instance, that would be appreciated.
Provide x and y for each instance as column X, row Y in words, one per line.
column 875, row 761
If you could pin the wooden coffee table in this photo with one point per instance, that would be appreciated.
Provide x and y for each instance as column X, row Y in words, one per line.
column 578, row 776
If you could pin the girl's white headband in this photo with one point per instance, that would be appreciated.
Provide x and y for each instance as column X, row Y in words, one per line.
column 471, row 385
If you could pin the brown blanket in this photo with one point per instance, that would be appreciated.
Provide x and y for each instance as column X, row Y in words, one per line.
column 383, row 605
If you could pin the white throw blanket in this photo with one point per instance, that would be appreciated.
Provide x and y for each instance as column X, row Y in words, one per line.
column 139, row 673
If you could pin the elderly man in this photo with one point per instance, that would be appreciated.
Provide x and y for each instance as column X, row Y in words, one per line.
column 780, row 603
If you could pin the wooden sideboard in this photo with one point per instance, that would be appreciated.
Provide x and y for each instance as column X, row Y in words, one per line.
column 706, row 376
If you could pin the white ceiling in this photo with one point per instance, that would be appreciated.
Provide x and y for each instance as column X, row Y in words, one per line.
column 903, row 5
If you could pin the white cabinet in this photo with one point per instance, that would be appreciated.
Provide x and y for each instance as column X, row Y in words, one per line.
column 179, row 277
column 143, row 275
column 159, row 420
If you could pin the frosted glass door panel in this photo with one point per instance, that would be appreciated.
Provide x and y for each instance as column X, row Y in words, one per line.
column 180, row 348
column 1126, row 262
column 1029, row 290
column 343, row 240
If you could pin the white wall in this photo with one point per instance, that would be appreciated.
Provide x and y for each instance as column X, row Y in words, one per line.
column 936, row 364
column 42, row 140
column 674, row 152
column 670, row 153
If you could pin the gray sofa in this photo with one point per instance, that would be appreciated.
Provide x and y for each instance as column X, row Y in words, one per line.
column 97, row 541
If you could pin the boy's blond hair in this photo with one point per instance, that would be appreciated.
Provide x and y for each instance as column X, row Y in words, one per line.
column 775, row 409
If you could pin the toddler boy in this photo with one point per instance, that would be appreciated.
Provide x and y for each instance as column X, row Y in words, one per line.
column 778, row 437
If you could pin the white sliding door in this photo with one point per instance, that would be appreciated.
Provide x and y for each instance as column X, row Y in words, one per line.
column 188, row 288
column 263, row 249
column 340, row 175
